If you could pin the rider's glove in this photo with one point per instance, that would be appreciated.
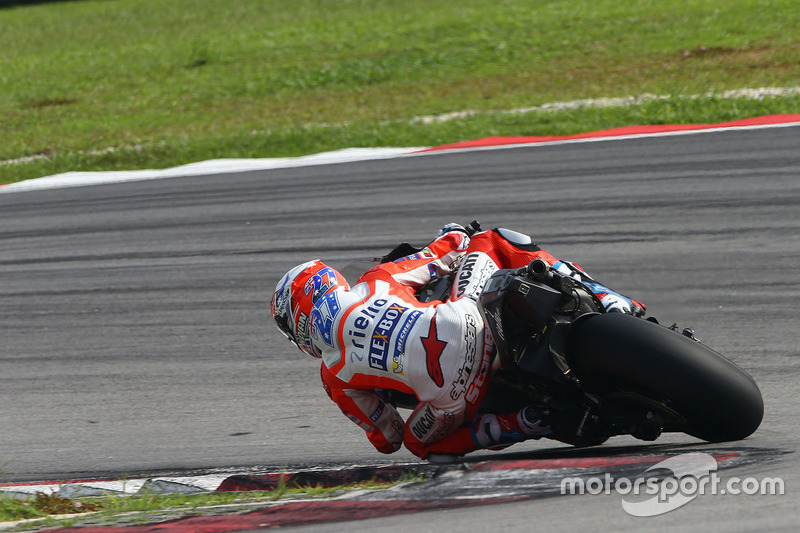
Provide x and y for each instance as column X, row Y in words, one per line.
column 452, row 226
column 619, row 304
column 639, row 309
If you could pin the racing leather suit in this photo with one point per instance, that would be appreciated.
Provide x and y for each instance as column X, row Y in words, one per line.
column 377, row 335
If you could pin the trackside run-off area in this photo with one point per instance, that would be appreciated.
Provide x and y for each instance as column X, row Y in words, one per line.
column 435, row 487
column 221, row 166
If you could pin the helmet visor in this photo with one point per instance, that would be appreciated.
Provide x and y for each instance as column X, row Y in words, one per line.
column 283, row 325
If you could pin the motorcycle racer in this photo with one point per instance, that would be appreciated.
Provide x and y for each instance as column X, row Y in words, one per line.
column 376, row 335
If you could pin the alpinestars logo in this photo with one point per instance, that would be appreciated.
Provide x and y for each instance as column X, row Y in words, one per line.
column 433, row 353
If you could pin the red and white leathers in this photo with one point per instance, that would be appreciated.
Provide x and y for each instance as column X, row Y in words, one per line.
column 377, row 335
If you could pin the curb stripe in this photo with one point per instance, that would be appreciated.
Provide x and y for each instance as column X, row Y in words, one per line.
column 781, row 120
column 293, row 514
column 582, row 462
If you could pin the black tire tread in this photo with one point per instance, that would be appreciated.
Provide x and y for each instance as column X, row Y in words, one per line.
column 719, row 400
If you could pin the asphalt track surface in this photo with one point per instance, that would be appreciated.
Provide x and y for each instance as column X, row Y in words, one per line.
column 136, row 336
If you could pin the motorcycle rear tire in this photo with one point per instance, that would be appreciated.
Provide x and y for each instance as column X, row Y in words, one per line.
column 718, row 400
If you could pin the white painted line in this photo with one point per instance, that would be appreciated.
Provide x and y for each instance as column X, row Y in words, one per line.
column 214, row 166
column 121, row 486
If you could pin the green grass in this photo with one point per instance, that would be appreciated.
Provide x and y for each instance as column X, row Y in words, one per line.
column 150, row 507
column 170, row 82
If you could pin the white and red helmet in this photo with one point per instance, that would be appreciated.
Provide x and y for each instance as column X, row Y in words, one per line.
column 294, row 298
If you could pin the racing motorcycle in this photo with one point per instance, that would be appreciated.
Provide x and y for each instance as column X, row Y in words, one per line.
column 593, row 374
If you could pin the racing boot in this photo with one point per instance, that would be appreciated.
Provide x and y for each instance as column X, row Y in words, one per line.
column 500, row 431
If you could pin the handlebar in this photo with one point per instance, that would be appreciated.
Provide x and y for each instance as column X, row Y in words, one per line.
column 473, row 227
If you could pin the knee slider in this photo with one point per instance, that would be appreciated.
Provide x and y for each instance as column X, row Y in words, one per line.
column 486, row 430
